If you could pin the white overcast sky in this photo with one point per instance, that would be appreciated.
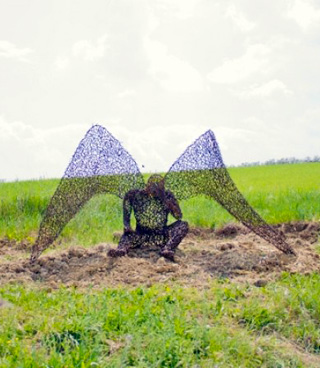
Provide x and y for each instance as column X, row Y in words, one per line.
column 157, row 74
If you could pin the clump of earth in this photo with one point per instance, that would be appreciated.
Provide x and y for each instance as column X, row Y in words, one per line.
column 231, row 252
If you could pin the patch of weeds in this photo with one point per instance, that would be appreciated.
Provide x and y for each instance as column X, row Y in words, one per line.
column 258, row 318
column 62, row 341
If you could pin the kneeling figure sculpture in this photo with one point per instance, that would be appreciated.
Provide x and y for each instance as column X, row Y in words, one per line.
column 151, row 207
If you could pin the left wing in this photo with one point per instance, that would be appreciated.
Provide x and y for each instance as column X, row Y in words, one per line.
column 200, row 170
column 99, row 165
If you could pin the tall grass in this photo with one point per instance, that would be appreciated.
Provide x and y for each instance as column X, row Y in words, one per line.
column 279, row 193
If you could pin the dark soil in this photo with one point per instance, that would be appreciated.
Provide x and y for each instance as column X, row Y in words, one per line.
column 232, row 252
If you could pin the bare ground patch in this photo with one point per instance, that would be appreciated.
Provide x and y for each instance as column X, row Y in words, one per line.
column 232, row 252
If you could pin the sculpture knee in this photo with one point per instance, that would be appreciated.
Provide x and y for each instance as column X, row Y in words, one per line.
column 177, row 232
column 179, row 228
column 184, row 227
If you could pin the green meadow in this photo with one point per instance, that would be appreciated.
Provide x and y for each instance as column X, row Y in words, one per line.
column 279, row 193
column 226, row 324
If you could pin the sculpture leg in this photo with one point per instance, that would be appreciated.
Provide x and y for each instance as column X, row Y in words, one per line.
column 127, row 241
column 176, row 232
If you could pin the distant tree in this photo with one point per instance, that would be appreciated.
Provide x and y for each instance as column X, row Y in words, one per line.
column 281, row 161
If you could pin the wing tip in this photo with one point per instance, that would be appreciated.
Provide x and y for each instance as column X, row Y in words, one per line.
column 209, row 133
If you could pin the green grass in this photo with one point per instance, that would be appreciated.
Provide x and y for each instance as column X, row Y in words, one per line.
column 279, row 193
column 226, row 325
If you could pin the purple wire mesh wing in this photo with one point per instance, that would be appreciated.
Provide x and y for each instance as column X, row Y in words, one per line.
column 200, row 171
column 99, row 165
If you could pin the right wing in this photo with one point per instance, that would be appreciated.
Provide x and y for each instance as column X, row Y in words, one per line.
column 200, row 171
column 99, row 165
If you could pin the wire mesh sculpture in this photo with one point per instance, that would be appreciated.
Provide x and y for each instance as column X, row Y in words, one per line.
column 151, row 207
column 100, row 164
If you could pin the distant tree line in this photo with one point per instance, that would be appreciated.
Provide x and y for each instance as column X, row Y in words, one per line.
column 288, row 160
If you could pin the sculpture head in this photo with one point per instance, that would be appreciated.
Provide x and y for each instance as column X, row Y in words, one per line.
column 155, row 186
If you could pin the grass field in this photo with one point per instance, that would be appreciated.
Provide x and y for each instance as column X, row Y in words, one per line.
column 279, row 193
column 226, row 324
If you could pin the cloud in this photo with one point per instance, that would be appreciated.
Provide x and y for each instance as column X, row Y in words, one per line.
column 172, row 73
column 61, row 62
column 84, row 49
column 267, row 89
column 89, row 50
column 197, row 61
column 250, row 139
column 156, row 147
column 127, row 93
column 230, row 140
column 35, row 152
column 239, row 19
column 305, row 14
column 11, row 51
column 182, row 9
column 232, row 71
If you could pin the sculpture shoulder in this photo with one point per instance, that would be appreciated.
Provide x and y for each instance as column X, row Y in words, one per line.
column 170, row 195
column 133, row 194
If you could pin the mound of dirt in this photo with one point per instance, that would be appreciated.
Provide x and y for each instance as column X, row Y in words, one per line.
column 232, row 252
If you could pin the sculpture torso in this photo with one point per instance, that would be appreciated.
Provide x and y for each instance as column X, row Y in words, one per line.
column 151, row 213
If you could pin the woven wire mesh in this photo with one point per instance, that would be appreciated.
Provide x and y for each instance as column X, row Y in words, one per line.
column 101, row 165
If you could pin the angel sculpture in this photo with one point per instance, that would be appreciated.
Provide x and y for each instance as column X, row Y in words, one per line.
column 151, row 207
column 100, row 164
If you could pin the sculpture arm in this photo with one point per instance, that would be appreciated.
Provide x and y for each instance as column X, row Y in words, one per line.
column 173, row 206
column 127, row 209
